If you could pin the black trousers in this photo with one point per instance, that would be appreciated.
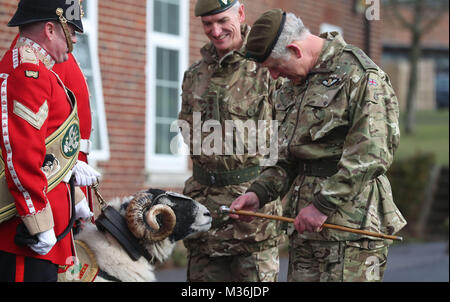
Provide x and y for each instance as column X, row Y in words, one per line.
column 15, row 268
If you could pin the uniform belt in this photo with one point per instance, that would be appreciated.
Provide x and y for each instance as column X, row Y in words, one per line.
column 85, row 146
column 224, row 178
column 319, row 168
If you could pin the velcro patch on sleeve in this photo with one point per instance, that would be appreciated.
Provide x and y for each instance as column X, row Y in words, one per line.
column 32, row 74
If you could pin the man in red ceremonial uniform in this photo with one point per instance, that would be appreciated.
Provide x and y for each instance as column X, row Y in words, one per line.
column 73, row 78
column 39, row 143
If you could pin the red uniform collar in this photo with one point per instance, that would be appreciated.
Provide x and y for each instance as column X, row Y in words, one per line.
column 40, row 52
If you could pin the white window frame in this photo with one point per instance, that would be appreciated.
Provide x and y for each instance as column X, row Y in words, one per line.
column 90, row 26
column 158, row 163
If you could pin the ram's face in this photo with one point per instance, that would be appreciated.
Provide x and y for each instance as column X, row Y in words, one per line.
column 154, row 215
column 191, row 217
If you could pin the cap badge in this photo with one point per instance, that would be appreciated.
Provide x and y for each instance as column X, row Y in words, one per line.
column 59, row 11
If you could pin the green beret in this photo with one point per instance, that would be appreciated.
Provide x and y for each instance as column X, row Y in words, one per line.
column 212, row 7
column 264, row 34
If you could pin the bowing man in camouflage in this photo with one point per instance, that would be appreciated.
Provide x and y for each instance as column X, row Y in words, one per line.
column 338, row 133
column 224, row 86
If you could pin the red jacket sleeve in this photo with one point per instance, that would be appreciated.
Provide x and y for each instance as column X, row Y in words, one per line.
column 24, row 129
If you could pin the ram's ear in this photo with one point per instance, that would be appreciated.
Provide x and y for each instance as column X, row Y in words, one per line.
column 155, row 192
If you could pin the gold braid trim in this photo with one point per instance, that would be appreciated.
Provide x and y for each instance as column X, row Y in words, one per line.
column 63, row 21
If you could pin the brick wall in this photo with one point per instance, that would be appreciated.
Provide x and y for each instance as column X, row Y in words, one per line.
column 397, row 35
column 398, row 71
column 312, row 12
column 7, row 34
column 122, row 52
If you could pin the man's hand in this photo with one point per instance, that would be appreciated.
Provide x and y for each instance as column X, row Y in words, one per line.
column 85, row 175
column 247, row 202
column 82, row 210
column 309, row 219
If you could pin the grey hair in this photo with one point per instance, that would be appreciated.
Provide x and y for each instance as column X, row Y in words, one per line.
column 294, row 30
column 236, row 7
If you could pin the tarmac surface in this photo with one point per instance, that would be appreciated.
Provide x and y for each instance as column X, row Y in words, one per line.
column 424, row 262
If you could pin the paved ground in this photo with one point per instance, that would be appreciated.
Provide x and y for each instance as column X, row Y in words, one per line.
column 427, row 262
column 418, row 263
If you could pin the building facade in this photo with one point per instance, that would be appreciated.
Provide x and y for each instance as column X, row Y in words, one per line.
column 134, row 54
column 433, row 75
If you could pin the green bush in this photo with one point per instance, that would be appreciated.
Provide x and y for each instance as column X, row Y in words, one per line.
column 409, row 179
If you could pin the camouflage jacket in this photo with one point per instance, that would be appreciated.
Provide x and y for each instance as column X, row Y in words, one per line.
column 346, row 109
column 229, row 89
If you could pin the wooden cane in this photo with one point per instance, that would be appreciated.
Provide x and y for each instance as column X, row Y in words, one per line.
column 225, row 209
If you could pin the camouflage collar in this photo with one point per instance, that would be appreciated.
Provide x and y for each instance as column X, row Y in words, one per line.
column 334, row 45
column 210, row 56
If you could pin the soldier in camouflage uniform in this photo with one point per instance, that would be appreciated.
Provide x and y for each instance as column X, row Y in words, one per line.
column 338, row 133
column 224, row 86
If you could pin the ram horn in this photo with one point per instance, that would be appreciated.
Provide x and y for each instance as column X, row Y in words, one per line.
column 168, row 221
column 142, row 222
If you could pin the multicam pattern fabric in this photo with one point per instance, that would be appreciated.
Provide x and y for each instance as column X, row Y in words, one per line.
column 346, row 109
column 336, row 261
column 231, row 88
column 255, row 267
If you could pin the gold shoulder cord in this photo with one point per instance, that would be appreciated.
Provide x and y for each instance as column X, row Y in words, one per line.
column 63, row 21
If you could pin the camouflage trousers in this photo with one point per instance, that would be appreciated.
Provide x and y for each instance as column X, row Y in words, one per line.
column 336, row 261
column 262, row 266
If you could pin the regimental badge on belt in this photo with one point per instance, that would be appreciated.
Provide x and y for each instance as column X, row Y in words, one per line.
column 71, row 141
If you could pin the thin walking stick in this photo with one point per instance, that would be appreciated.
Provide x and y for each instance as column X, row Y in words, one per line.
column 225, row 209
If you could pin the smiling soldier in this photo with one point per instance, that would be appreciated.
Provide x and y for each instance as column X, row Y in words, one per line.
column 224, row 86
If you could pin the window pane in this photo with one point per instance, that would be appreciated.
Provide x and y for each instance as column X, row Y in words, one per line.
column 163, row 138
column 95, row 134
column 167, row 96
column 166, row 17
column 81, row 51
column 167, row 105
column 167, row 64
column 84, row 6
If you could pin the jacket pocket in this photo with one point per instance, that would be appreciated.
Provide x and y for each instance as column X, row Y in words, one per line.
column 325, row 109
column 283, row 106
column 247, row 107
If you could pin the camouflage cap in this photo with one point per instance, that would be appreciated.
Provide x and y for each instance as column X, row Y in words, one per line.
column 212, row 7
column 264, row 34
